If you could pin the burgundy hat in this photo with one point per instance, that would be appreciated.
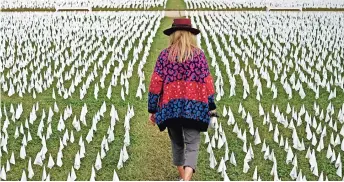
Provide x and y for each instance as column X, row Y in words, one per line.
column 181, row 24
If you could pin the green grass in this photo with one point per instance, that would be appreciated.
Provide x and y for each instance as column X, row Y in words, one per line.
column 150, row 155
column 69, row 152
column 150, row 150
column 57, row 173
column 109, row 163
column 176, row 4
column 147, row 142
column 251, row 105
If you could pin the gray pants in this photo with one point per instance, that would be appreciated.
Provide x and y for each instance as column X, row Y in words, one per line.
column 191, row 138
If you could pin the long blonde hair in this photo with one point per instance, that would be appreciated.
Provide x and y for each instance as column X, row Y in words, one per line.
column 182, row 44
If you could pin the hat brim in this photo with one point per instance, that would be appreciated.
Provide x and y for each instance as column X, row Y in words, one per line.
column 169, row 31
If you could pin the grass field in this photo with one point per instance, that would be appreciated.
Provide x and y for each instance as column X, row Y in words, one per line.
column 251, row 105
column 150, row 151
column 147, row 142
column 139, row 139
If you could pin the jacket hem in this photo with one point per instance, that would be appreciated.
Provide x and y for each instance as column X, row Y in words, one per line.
column 184, row 122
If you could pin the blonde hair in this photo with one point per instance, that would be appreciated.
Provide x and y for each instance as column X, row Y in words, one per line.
column 182, row 44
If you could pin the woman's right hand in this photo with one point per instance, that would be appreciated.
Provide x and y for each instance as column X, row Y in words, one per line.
column 212, row 111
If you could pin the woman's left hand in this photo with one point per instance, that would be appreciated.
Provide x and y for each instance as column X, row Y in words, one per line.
column 152, row 118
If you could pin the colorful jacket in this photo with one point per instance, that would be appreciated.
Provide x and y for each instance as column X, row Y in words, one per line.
column 183, row 91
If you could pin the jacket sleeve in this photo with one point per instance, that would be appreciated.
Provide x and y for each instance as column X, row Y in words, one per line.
column 155, row 87
column 209, row 84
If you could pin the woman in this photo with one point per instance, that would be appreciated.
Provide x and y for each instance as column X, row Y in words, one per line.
column 181, row 95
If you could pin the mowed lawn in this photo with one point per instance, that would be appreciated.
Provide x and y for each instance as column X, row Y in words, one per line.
column 150, row 150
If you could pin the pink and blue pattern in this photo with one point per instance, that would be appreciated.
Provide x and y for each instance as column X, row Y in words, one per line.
column 181, row 90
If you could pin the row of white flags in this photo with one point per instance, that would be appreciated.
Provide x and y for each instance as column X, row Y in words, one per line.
column 263, row 52
column 70, row 52
column 190, row 4
column 53, row 42
column 260, row 50
column 294, row 53
column 23, row 132
column 275, row 122
column 301, row 122
column 117, row 4
column 229, row 4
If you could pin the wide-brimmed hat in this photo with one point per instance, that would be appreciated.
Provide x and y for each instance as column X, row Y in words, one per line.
column 181, row 24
